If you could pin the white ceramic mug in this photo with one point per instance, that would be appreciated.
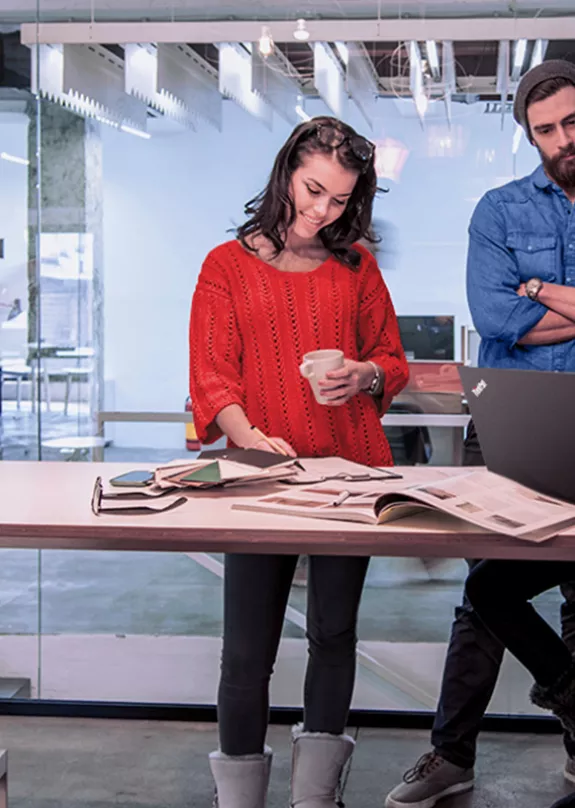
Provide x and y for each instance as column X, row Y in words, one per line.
column 314, row 367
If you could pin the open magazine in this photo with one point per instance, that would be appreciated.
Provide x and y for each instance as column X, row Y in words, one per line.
column 482, row 498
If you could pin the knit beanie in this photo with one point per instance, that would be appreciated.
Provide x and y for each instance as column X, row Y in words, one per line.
column 552, row 69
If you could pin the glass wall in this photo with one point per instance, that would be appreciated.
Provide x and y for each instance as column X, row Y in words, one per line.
column 105, row 226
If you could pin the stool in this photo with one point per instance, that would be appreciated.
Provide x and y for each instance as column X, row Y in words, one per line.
column 20, row 372
column 73, row 374
column 76, row 447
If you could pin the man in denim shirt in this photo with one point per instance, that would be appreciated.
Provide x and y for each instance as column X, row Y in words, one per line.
column 523, row 232
column 521, row 292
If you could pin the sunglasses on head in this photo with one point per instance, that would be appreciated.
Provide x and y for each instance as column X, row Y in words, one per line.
column 329, row 135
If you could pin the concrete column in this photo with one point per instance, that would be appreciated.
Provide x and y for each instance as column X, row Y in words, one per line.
column 66, row 197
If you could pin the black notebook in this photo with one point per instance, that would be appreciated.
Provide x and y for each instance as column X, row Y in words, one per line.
column 250, row 457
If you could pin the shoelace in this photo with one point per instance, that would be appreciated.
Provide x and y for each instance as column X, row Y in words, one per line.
column 424, row 766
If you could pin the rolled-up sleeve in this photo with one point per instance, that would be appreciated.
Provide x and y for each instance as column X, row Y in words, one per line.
column 498, row 312
column 215, row 351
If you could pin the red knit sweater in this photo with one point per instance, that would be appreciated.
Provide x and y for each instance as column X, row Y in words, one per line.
column 250, row 326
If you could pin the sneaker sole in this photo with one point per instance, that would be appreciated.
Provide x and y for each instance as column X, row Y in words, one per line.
column 568, row 775
column 458, row 788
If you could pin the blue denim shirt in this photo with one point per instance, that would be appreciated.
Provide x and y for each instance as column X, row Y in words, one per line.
column 525, row 229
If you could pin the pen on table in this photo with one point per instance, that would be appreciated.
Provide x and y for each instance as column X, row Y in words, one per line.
column 273, row 445
column 341, row 498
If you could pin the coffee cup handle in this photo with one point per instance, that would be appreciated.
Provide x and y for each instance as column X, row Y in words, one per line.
column 306, row 369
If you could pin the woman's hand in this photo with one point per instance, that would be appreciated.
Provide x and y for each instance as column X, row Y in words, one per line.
column 342, row 384
column 522, row 292
column 234, row 423
column 280, row 442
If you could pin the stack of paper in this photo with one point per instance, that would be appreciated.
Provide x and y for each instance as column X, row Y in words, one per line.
column 219, row 472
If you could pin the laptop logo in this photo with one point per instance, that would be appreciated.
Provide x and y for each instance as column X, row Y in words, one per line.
column 479, row 388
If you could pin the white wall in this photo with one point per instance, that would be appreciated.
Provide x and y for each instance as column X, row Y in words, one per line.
column 433, row 202
column 13, row 224
column 169, row 200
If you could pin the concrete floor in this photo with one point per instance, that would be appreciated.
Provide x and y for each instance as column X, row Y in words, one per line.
column 78, row 763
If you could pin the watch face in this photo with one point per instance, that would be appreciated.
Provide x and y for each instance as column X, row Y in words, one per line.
column 532, row 287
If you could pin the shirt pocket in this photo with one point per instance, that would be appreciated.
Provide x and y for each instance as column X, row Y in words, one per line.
column 536, row 255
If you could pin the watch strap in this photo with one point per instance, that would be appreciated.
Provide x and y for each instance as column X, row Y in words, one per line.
column 376, row 387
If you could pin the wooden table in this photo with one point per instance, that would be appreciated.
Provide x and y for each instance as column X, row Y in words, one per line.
column 46, row 505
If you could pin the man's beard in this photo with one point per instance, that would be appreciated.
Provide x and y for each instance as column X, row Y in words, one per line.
column 560, row 170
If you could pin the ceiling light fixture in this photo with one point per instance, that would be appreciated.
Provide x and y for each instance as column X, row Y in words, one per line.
column 266, row 43
column 518, row 58
column 301, row 33
column 130, row 130
column 343, row 51
column 416, row 80
column 11, row 158
column 539, row 49
column 433, row 58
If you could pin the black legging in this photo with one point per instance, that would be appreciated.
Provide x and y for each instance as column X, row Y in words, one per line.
column 256, row 590
column 566, row 802
column 500, row 591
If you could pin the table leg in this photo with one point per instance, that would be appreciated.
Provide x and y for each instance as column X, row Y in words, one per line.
column 457, row 445
column 46, row 380
column 67, row 392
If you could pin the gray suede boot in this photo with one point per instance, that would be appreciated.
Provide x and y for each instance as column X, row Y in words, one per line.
column 242, row 781
column 317, row 764
column 559, row 698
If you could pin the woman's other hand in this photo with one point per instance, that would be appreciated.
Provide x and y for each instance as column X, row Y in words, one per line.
column 342, row 384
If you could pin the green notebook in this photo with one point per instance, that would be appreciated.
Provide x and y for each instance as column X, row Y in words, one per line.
column 207, row 474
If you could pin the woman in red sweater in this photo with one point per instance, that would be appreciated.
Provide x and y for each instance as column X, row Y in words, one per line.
column 295, row 281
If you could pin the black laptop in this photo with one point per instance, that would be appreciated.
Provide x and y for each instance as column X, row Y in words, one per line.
column 525, row 421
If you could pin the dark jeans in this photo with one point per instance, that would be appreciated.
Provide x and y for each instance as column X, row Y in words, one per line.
column 566, row 802
column 500, row 591
column 472, row 664
column 256, row 590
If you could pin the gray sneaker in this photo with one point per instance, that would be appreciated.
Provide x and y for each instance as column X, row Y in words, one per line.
column 569, row 770
column 431, row 779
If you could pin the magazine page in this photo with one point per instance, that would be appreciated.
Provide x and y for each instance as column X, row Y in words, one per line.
column 346, row 500
column 497, row 504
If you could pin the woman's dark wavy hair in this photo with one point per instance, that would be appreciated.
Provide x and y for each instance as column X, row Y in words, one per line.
column 272, row 211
